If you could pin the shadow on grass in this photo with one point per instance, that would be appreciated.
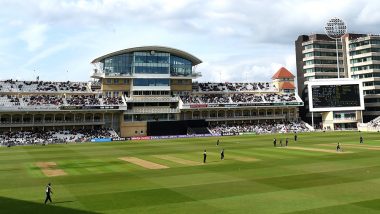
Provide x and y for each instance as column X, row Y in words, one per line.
column 10, row 205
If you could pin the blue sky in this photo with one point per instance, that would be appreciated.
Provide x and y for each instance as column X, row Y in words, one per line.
column 237, row 40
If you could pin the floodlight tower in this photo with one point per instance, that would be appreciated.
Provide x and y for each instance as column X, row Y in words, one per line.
column 335, row 28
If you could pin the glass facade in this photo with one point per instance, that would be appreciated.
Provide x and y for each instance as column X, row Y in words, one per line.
column 363, row 51
column 151, row 70
column 366, row 42
column 311, row 70
column 120, row 64
column 148, row 62
column 179, row 66
column 324, row 46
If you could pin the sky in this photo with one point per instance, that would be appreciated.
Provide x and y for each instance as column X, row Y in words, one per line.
column 237, row 40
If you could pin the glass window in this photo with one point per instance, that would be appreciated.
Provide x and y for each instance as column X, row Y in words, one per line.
column 119, row 64
column 151, row 70
column 150, row 82
column 180, row 66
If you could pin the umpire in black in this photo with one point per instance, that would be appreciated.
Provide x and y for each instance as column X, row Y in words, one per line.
column 48, row 193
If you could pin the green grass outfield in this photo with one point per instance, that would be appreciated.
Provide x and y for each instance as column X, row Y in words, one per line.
column 281, row 180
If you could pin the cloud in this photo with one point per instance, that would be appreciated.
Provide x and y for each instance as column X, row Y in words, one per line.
column 34, row 36
column 245, row 39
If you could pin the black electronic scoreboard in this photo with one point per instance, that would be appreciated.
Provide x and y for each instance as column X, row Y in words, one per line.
column 336, row 96
column 327, row 96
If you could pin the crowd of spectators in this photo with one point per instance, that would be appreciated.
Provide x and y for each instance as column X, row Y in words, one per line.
column 9, row 100
column 72, row 86
column 42, row 86
column 238, row 98
column 279, row 97
column 262, row 128
column 214, row 98
column 43, row 100
column 113, row 101
column 47, row 137
column 230, row 87
column 246, row 98
column 46, row 100
column 190, row 99
column 82, row 100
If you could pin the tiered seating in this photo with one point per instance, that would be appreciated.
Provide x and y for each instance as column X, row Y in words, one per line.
column 81, row 100
column 274, row 98
column 246, row 98
column 43, row 100
column 9, row 101
column 72, row 86
column 214, row 98
column 260, row 128
column 375, row 123
column 238, row 98
column 39, row 137
column 42, row 86
column 113, row 101
column 231, row 87
column 190, row 99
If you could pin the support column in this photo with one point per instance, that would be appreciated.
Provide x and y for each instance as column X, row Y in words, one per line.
column 33, row 121
column 282, row 110
column 103, row 117
column 112, row 120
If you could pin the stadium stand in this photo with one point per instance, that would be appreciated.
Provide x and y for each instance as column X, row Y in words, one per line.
column 263, row 128
column 137, row 99
column 40, row 137
column 239, row 98
column 233, row 87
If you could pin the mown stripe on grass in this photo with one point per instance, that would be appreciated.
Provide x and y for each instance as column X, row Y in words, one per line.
column 140, row 198
column 143, row 163
column 178, row 160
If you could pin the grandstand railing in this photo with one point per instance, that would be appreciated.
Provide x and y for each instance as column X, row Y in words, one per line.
column 151, row 99
column 152, row 110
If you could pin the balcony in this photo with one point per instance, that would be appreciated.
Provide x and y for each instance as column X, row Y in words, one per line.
column 193, row 75
column 98, row 75
column 152, row 99
column 152, row 110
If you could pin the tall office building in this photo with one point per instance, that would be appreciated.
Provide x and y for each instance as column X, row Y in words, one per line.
column 363, row 62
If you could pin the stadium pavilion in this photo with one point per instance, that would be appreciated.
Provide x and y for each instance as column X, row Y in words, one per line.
column 145, row 91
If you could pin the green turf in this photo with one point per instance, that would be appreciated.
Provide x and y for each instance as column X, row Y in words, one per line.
column 281, row 180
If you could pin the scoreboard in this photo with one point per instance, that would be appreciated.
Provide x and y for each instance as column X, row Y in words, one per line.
column 335, row 95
